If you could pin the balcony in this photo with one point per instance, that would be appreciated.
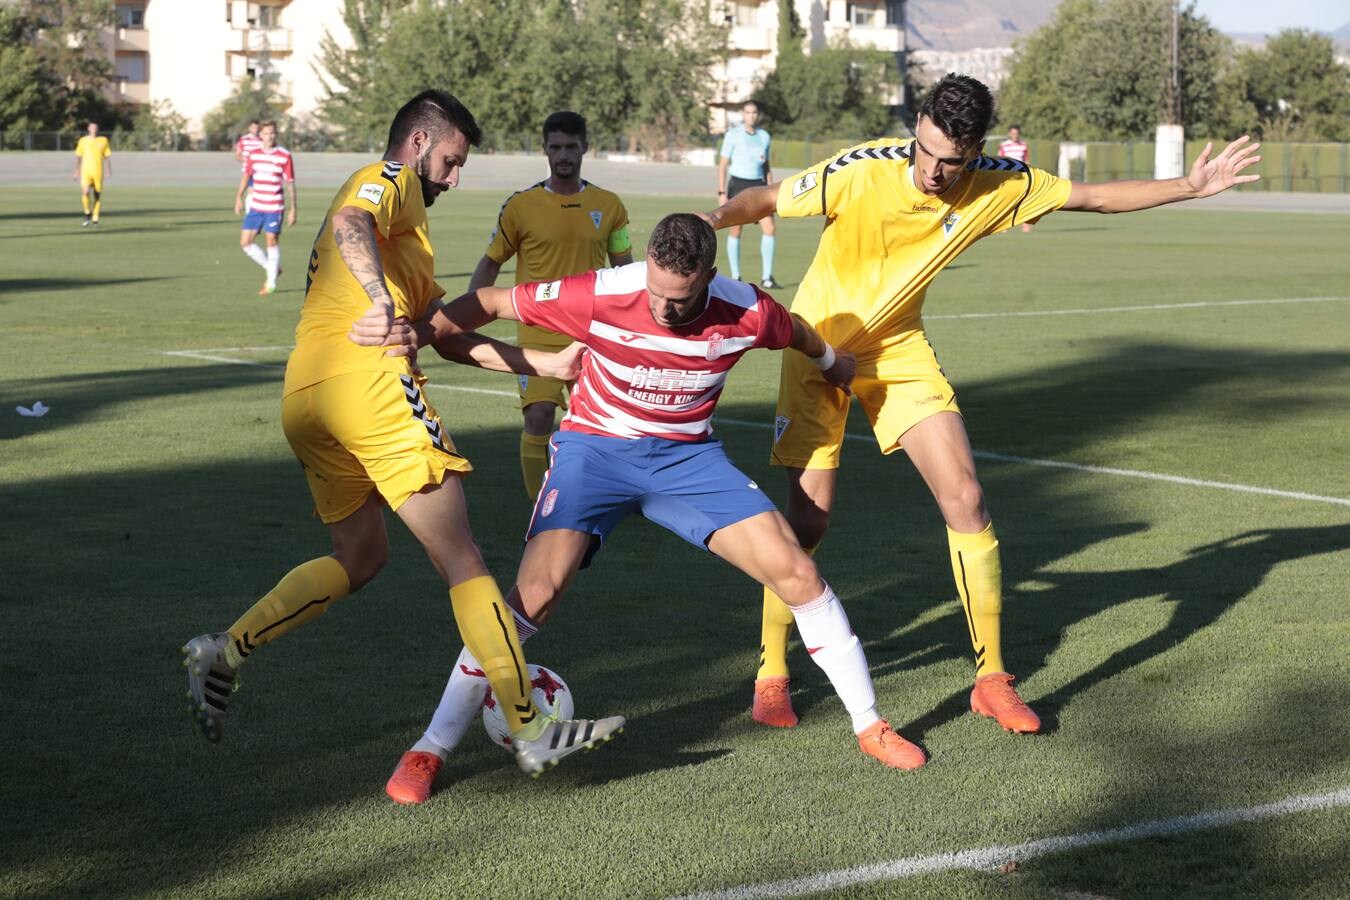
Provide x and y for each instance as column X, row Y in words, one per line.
column 751, row 38
column 890, row 38
column 260, row 40
column 132, row 39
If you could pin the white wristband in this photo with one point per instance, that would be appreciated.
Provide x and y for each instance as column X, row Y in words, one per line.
column 826, row 360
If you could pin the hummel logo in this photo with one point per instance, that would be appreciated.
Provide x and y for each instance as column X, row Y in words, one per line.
column 628, row 338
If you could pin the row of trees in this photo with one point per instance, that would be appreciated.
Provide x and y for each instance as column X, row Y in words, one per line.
column 1099, row 70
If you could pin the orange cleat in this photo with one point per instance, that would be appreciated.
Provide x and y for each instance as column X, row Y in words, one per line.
column 773, row 702
column 994, row 697
column 413, row 777
column 881, row 742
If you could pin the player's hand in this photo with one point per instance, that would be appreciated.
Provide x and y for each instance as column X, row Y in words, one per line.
column 710, row 217
column 290, row 217
column 238, row 208
column 1211, row 176
column 374, row 328
column 567, row 362
column 841, row 373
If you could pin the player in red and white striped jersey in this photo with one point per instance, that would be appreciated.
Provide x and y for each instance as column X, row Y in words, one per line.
column 248, row 141
column 1013, row 147
column 267, row 170
column 661, row 337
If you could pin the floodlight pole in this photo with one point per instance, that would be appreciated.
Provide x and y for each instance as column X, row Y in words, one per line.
column 1169, row 149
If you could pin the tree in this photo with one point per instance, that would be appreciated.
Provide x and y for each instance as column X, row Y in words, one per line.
column 1296, row 88
column 838, row 90
column 253, row 98
column 53, row 71
column 1099, row 71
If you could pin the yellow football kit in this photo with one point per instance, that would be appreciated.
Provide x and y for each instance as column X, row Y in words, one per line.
column 356, row 418
column 92, row 151
column 553, row 236
column 884, row 243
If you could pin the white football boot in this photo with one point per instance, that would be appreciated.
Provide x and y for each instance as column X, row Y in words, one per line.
column 210, row 682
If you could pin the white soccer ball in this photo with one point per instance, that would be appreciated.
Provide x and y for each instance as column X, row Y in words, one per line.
column 551, row 694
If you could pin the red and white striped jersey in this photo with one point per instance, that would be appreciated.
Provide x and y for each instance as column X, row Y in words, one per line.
column 1013, row 150
column 640, row 379
column 268, row 169
column 246, row 144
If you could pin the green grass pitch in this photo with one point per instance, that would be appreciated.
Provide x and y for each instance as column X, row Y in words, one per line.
column 1185, row 643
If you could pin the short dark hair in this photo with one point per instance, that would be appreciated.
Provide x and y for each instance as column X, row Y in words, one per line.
column 961, row 107
column 567, row 122
column 431, row 111
column 267, row 124
column 754, row 103
column 684, row 244
column 1014, row 127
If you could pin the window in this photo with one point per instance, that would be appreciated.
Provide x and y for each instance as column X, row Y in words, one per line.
column 746, row 14
column 268, row 17
column 133, row 67
column 129, row 16
column 895, row 13
column 861, row 14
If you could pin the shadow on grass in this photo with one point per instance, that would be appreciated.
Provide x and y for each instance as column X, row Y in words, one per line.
column 16, row 285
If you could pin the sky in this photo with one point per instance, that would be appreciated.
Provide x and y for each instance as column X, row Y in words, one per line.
column 1266, row 17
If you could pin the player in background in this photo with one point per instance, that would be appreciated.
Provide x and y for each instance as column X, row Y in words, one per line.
column 561, row 226
column 1013, row 147
column 248, row 141
column 864, row 292
column 662, row 336
column 267, row 170
column 745, row 157
column 367, row 437
column 93, row 164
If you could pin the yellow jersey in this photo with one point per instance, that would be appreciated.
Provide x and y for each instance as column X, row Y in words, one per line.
column 885, row 240
column 556, row 235
column 92, row 151
column 392, row 193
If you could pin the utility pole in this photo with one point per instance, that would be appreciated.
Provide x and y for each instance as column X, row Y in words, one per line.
column 1169, row 153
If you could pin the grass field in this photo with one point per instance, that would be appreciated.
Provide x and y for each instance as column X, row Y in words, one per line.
column 1185, row 642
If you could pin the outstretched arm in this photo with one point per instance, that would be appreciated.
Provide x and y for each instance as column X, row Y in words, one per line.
column 1207, row 178
column 746, row 208
column 837, row 366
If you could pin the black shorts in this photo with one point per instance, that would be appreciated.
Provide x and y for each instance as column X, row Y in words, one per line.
column 736, row 185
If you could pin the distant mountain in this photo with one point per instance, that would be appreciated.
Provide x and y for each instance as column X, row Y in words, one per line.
column 959, row 25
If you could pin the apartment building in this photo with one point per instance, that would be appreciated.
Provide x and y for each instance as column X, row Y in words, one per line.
column 753, row 41
column 193, row 53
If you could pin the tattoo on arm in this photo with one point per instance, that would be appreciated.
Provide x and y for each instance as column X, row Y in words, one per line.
column 356, row 245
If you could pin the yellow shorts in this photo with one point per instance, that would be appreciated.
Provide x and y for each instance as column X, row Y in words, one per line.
column 541, row 388
column 94, row 181
column 898, row 387
column 367, row 431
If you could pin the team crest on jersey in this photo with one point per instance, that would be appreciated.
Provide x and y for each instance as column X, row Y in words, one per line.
column 548, row 291
column 806, row 183
column 524, row 383
column 780, row 424
column 596, row 216
column 949, row 223
column 550, row 501
column 714, row 346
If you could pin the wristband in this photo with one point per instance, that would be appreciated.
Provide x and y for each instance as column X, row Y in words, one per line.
column 825, row 361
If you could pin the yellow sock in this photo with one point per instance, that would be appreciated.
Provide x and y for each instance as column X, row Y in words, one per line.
column 304, row 593
column 774, row 630
column 533, row 461
column 979, row 581
column 489, row 631
column 84, row 202
column 98, row 204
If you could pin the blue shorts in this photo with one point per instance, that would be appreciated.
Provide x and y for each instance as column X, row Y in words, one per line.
column 269, row 223
column 688, row 487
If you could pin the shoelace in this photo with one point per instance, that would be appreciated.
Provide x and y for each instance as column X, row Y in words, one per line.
column 1004, row 693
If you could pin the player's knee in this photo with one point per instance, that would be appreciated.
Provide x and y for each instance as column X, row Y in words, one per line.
column 538, row 418
column 363, row 561
column 809, row 525
column 795, row 578
column 963, row 504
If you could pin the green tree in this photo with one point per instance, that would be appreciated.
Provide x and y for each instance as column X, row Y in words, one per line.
column 53, row 67
column 253, row 98
column 838, row 90
column 1296, row 88
column 1100, row 69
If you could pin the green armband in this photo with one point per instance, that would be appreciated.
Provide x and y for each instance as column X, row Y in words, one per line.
column 619, row 241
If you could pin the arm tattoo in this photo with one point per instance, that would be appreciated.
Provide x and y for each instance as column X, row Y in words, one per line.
column 356, row 245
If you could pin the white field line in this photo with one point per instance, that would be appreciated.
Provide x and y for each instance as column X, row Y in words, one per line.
column 992, row 858
column 979, row 454
column 1008, row 314
column 1101, row 470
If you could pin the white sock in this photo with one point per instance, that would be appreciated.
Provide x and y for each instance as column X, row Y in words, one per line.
column 824, row 629
column 273, row 265
column 255, row 253
column 462, row 701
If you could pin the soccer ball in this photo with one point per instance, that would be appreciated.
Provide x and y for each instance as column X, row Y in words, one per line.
column 551, row 694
